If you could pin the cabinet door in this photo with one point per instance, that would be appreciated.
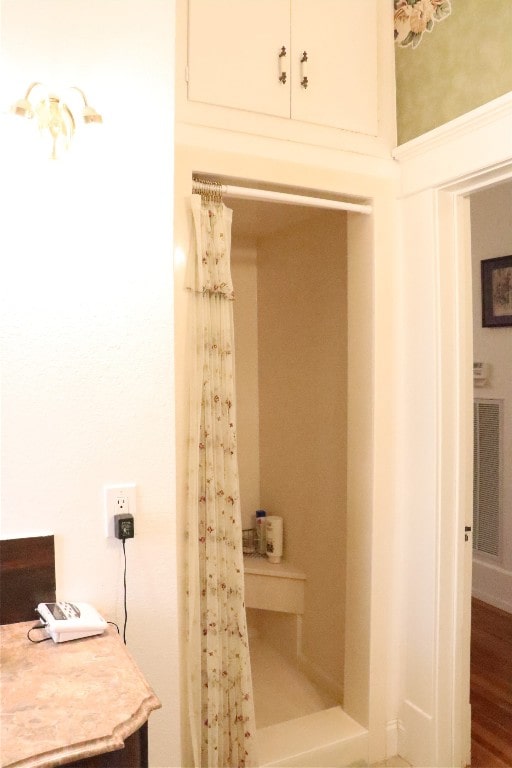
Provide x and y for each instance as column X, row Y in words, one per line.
column 233, row 54
column 340, row 39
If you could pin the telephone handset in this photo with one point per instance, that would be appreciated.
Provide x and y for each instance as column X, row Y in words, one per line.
column 70, row 621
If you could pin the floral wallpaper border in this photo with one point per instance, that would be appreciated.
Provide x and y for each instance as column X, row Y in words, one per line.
column 415, row 17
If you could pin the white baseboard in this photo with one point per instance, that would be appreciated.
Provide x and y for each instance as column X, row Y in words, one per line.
column 492, row 584
column 392, row 746
column 415, row 735
column 401, row 738
column 490, row 599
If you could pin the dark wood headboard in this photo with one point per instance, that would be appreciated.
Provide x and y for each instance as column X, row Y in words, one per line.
column 27, row 577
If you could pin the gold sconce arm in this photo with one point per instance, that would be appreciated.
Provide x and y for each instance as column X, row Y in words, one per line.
column 89, row 114
column 23, row 107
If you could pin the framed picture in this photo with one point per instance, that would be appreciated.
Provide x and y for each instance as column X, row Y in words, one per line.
column 497, row 292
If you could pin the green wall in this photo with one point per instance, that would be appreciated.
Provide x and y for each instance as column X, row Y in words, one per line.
column 463, row 63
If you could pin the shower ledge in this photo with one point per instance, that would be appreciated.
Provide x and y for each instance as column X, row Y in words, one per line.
column 273, row 586
column 327, row 738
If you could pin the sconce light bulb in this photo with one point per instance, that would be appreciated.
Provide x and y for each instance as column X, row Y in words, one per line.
column 23, row 108
column 91, row 116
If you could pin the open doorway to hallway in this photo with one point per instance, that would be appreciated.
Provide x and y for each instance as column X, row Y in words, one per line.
column 491, row 625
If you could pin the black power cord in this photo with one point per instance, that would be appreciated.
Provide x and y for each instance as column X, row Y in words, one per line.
column 124, row 585
column 124, row 528
column 38, row 626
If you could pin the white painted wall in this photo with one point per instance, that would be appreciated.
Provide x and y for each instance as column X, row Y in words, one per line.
column 302, row 325
column 491, row 236
column 87, row 296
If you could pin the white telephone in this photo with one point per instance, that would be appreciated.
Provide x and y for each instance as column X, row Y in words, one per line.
column 70, row 621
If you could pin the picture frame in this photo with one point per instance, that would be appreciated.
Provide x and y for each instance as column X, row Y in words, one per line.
column 496, row 292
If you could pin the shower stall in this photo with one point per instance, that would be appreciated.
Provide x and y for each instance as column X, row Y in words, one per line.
column 290, row 275
column 304, row 333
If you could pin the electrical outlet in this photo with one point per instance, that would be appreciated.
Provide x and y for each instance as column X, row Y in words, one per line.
column 122, row 503
column 118, row 500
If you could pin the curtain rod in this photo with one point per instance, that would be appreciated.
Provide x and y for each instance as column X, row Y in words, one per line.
column 266, row 195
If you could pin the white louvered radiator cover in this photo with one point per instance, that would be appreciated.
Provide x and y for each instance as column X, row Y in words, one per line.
column 487, row 475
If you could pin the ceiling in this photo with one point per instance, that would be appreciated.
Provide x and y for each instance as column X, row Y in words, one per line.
column 253, row 219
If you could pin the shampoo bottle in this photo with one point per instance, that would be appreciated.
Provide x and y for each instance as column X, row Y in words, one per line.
column 261, row 538
column 274, row 531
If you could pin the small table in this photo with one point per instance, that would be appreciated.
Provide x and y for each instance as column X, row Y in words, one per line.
column 276, row 587
column 79, row 703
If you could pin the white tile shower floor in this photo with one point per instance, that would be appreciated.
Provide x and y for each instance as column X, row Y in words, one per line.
column 281, row 691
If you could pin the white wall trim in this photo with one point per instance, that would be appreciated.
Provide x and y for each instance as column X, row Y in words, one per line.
column 392, row 729
column 482, row 116
column 489, row 581
column 401, row 739
column 446, row 165
column 473, row 143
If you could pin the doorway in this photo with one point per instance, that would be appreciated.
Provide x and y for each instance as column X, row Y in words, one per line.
column 491, row 237
column 459, row 201
column 439, row 174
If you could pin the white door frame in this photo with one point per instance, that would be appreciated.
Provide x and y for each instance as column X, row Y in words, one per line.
column 438, row 172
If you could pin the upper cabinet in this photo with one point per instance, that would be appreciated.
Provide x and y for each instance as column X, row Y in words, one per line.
column 333, row 51
column 233, row 54
column 324, row 63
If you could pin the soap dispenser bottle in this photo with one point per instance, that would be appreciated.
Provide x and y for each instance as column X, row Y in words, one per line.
column 261, row 538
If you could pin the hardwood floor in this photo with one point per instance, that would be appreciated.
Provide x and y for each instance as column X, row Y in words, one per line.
column 491, row 686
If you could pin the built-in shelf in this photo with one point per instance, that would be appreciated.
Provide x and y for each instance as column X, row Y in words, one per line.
column 273, row 586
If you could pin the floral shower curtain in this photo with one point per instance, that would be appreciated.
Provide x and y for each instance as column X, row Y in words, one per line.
column 219, row 676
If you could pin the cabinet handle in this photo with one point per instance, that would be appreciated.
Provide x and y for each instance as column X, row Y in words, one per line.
column 304, row 70
column 282, row 70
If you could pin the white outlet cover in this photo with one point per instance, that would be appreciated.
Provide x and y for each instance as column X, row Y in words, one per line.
column 111, row 494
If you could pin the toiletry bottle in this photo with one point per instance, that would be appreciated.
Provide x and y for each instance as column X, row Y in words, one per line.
column 261, row 539
column 274, row 531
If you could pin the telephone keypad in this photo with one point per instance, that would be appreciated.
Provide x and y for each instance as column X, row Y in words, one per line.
column 69, row 610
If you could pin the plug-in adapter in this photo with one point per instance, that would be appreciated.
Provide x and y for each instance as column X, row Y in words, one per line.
column 124, row 526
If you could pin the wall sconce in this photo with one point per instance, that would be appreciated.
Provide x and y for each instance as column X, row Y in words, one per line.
column 54, row 114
